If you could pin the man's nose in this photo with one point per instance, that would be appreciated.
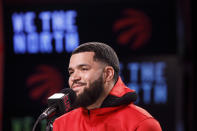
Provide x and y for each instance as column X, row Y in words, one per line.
column 75, row 77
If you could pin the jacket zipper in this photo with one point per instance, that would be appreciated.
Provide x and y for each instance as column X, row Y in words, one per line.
column 90, row 120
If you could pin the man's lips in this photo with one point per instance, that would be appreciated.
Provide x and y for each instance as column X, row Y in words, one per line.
column 77, row 85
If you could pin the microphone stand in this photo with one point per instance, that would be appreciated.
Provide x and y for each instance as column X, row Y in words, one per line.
column 37, row 121
column 49, row 126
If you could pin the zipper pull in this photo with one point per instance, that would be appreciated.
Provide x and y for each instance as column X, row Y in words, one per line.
column 89, row 113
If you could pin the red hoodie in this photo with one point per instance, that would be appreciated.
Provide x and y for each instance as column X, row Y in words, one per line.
column 117, row 113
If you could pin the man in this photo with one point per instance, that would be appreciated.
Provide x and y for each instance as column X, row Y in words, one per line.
column 104, row 102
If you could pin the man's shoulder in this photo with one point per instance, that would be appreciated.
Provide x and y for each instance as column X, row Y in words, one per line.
column 69, row 115
column 136, row 113
column 140, row 118
column 65, row 121
column 139, row 110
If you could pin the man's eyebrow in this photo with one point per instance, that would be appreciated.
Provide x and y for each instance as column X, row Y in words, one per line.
column 79, row 66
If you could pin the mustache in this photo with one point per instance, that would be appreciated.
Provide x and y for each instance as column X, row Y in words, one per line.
column 77, row 83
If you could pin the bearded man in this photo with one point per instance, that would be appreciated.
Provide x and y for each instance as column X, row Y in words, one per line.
column 103, row 102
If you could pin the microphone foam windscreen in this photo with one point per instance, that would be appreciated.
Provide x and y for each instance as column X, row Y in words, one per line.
column 71, row 94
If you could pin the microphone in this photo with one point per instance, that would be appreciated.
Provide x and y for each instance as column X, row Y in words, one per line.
column 59, row 103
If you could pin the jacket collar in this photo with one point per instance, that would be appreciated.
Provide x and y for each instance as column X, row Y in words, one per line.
column 120, row 89
column 119, row 96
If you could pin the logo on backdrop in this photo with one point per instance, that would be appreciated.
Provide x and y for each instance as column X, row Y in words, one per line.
column 133, row 29
column 44, row 32
column 44, row 82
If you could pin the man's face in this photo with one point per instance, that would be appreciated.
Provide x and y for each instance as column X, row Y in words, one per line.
column 86, row 78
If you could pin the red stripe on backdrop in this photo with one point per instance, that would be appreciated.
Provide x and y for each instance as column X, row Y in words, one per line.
column 1, row 64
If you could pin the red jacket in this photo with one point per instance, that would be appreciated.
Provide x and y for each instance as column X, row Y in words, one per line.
column 117, row 113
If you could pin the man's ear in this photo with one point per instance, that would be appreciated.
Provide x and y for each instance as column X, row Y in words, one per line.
column 108, row 73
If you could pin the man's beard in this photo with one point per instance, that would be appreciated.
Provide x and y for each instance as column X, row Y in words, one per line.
column 90, row 95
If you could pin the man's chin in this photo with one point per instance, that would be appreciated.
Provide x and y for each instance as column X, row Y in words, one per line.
column 78, row 94
column 77, row 91
column 88, row 96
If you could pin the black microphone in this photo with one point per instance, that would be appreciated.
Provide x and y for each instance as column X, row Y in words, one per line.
column 59, row 103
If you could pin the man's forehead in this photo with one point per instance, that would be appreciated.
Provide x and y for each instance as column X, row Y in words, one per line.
column 83, row 55
column 82, row 58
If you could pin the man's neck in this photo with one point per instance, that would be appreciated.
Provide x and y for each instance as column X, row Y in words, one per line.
column 98, row 103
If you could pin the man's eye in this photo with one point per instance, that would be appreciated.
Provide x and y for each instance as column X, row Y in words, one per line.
column 70, row 73
column 84, row 69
